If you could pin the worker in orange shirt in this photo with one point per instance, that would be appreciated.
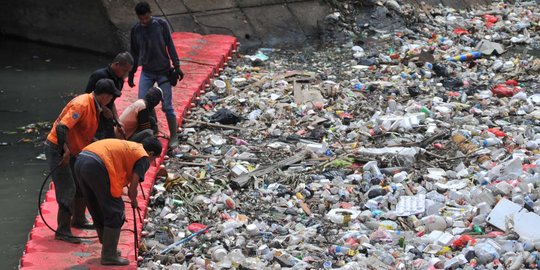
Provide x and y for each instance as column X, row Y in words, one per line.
column 103, row 169
column 73, row 130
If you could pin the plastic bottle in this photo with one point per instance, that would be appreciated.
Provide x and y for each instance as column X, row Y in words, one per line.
column 219, row 253
column 485, row 253
column 491, row 142
column 426, row 111
column 400, row 177
column 339, row 250
column 392, row 105
column 465, row 57
column 237, row 257
column 373, row 168
column 463, row 97
column 265, row 253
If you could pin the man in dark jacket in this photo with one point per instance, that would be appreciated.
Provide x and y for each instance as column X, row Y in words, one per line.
column 152, row 47
column 117, row 71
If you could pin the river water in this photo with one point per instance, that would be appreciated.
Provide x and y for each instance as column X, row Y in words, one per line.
column 36, row 81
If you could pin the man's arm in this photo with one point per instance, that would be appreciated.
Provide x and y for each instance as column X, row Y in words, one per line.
column 67, row 122
column 132, row 190
column 134, row 48
column 139, row 170
column 170, row 45
column 61, row 137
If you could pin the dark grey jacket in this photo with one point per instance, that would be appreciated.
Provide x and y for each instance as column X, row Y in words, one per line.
column 152, row 47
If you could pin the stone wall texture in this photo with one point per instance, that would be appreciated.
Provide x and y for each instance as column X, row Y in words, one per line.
column 103, row 25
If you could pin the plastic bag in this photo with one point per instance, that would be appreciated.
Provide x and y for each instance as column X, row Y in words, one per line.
column 226, row 117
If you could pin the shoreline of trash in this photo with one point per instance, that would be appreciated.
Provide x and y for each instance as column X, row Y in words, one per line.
column 413, row 148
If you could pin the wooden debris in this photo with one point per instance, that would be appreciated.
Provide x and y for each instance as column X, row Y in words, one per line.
column 242, row 180
column 212, row 124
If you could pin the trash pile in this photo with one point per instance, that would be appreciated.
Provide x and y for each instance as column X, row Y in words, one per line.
column 415, row 148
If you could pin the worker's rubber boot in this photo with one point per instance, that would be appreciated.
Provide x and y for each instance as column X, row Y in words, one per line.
column 63, row 231
column 79, row 221
column 109, row 253
column 173, row 128
column 99, row 231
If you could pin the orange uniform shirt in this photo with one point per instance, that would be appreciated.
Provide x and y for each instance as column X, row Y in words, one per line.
column 81, row 117
column 119, row 157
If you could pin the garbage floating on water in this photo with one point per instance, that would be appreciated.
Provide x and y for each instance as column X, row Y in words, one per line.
column 374, row 151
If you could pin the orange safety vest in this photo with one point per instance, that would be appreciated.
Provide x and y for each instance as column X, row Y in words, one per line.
column 119, row 157
column 81, row 118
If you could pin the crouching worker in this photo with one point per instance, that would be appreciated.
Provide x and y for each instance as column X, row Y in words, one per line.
column 103, row 168
column 139, row 118
column 71, row 132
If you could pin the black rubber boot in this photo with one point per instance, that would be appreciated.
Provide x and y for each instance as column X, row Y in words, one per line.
column 99, row 231
column 173, row 135
column 63, row 231
column 109, row 253
column 79, row 220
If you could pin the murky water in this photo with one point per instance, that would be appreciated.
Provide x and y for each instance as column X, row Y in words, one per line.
column 35, row 83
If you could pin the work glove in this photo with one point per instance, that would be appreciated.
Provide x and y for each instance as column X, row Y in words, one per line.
column 179, row 72
column 130, row 80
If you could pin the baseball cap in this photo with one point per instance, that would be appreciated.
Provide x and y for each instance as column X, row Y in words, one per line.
column 106, row 86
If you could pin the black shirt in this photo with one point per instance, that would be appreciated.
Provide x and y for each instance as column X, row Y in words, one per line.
column 104, row 73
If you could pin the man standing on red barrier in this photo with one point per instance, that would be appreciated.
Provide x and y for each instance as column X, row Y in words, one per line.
column 152, row 47
column 117, row 72
column 71, row 132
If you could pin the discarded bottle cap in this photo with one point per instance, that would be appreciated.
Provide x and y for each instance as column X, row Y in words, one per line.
column 219, row 84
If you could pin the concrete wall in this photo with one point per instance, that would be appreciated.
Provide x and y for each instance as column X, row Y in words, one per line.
column 253, row 22
column 81, row 24
column 103, row 25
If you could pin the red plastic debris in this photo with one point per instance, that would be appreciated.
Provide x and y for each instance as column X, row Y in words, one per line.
column 490, row 20
column 461, row 31
column 497, row 132
column 346, row 205
column 502, row 90
column 512, row 82
column 463, row 241
column 195, row 227
column 352, row 242
column 527, row 167
column 495, row 234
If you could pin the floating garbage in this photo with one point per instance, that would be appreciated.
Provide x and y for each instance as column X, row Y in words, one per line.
column 410, row 140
